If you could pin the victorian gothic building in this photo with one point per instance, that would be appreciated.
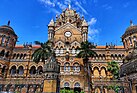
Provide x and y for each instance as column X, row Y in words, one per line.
column 19, row 73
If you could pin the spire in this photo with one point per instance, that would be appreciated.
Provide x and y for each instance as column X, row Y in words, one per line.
column 131, row 23
column 51, row 23
column 69, row 6
column 84, row 23
column 8, row 23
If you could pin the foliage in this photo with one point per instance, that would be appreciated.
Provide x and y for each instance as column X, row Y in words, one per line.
column 115, row 88
column 86, row 52
column 113, row 68
column 69, row 91
column 42, row 53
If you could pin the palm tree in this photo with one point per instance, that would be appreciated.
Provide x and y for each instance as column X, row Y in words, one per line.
column 86, row 52
column 42, row 53
column 113, row 68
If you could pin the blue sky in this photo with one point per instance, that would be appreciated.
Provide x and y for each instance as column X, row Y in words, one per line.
column 108, row 19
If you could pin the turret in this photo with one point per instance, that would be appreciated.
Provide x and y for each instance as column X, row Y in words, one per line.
column 84, row 30
column 51, row 74
column 8, row 40
column 51, row 30
column 129, row 38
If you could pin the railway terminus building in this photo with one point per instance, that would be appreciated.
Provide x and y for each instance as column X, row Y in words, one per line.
column 19, row 73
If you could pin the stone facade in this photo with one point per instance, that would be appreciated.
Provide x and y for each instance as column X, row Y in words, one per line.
column 20, row 73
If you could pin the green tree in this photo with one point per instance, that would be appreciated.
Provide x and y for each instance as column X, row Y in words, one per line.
column 113, row 68
column 69, row 91
column 42, row 53
column 86, row 52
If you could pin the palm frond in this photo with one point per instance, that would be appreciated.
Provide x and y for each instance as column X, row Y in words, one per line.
column 42, row 53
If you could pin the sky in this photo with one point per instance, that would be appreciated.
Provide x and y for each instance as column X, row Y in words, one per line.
column 107, row 19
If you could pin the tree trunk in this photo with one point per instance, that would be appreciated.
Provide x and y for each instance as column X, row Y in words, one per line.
column 86, row 65
column 88, row 78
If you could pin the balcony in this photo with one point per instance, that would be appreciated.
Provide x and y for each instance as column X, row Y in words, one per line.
column 128, row 68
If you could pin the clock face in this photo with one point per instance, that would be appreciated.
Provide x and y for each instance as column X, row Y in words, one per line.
column 68, row 34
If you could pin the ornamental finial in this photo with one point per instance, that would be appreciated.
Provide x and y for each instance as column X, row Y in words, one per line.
column 69, row 6
column 131, row 23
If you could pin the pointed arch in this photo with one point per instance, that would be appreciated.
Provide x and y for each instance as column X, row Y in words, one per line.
column 32, row 70
column 7, row 54
column 67, row 66
column 13, row 70
column 2, row 53
column 40, row 70
column 103, row 72
column 20, row 70
column 96, row 72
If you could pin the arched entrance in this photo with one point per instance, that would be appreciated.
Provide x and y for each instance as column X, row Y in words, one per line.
column 77, row 88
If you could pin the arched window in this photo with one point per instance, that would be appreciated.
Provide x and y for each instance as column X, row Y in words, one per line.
column 96, row 72
column 32, row 70
column 66, row 84
column 73, row 50
column 77, row 88
column 7, row 54
column 103, row 72
column 17, row 56
column 57, row 51
column 40, row 70
column 77, row 84
column 3, row 69
column 67, row 67
column 2, row 53
column 130, row 40
column 61, row 50
column 3, row 40
column 21, row 56
column 14, row 55
column 20, row 70
column 7, row 40
column 76, row 67
column 24, row 56
column 13, row 70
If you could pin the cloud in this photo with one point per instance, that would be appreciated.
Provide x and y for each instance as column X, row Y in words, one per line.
column 92, row 21
column 92, row 33
column 107, row 7
column 125, row 5
column 61, row 6
column 78, row 4
column 47, row 3
column 55, row 5
column 67, row 2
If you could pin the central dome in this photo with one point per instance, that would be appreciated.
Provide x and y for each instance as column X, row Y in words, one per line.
column 7, row 29
column 130, row 30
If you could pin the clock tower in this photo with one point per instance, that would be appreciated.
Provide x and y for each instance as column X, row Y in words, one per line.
column 67, row 32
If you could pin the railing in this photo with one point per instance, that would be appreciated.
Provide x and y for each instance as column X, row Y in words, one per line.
column 110, row 83
column 21, row 81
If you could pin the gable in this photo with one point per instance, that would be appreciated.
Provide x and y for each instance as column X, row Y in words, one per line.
column 67, row 27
